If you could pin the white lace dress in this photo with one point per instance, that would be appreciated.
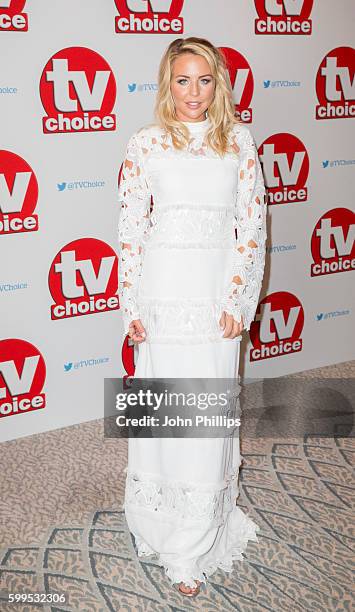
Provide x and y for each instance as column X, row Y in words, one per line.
column 180, row 267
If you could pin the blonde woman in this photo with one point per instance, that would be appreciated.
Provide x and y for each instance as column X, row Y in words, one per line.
column 188, row 288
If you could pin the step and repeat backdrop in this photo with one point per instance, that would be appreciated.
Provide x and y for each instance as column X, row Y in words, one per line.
column 77, row 78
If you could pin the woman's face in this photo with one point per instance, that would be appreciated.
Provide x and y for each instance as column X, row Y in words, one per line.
column 192, row 87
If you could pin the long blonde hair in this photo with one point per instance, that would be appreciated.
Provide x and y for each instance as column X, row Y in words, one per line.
column 221, row 111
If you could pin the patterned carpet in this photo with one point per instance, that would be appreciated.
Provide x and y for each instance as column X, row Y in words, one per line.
column 63, row 530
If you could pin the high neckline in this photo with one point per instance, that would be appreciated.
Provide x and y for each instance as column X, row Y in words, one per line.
column 196, row 126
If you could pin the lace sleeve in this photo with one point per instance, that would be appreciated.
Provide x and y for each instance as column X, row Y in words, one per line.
column 250, row 221
column 133, row 229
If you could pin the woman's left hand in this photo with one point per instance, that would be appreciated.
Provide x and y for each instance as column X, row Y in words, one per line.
column 231, row 327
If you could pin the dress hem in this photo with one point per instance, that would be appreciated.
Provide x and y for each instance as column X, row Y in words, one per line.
column 239, row 538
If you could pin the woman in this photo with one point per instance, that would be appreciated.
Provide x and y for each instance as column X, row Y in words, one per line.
column 187, row 290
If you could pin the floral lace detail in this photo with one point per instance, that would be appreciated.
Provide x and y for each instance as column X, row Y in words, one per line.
column 133, row 229
column 191, row 227
column 155, row 143
column 191, row 504
column 204, row 226
column 182, row 501
column 182, row 321
column 143, row 549
column 249, row 252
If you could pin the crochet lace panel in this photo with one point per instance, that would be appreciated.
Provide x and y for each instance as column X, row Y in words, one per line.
column 205, row 226
column 182, row 501
column 184, row 321
column 191, row 226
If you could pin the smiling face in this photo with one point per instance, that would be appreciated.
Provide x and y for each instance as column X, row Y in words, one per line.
column 192, row 87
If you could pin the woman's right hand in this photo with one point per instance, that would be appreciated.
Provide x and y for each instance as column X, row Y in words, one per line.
column 136, row 331
column 232, row 328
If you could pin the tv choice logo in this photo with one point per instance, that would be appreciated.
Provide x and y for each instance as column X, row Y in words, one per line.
column 78, row 92
column 335, row 84
column 286, row 167
column 83, row 279
column 149, row 17
column 18, row 195
column 333, row 242
column 285, row 17
column 277, row 328
column 22, row 377
column 12, row 17
column 242, row 81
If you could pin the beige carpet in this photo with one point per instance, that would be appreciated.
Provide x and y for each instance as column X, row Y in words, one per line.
column 62, row 527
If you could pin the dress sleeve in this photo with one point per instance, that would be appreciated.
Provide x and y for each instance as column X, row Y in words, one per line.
column 133, row 229
column 250, row 221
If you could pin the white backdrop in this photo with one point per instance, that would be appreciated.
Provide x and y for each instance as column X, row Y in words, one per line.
column 62, row 60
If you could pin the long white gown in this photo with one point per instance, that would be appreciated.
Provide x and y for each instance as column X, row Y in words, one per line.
column 183, row 266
